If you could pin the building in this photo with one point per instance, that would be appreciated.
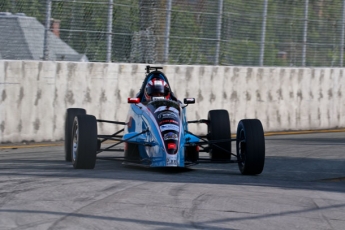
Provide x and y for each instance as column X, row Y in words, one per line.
column 22, row 38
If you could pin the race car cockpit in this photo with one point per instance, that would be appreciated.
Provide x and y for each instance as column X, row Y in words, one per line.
column 155, row 85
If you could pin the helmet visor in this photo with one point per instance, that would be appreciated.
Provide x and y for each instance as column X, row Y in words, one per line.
column 158, row 88
column 155, row 90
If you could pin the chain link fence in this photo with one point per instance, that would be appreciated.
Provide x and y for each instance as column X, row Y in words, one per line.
column 205, row 32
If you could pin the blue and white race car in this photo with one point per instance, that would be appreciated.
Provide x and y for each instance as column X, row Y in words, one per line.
column 156, row 134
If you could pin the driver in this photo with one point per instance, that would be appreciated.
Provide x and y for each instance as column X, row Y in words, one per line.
column 157, row 89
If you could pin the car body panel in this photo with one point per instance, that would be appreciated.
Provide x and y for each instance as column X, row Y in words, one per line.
column 165, row 124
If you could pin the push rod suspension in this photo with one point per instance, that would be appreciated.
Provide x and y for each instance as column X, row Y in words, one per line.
column 198, row 121
column 110, row 136
column 210, row 142
column 113, row 122
column 124, row 140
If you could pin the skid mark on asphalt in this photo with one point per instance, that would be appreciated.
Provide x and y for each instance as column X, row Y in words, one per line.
column 76, row 212
column 272, row 215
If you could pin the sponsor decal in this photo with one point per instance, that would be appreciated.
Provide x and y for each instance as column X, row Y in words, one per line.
column 171, row 161
column 168, row 121
column 169, row 127
column 162, row 108
column 170, row 136
column 167, row 115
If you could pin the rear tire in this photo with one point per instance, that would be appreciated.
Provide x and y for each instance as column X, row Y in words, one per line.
column 70, row 115
column 250, row 146
column 84, row 145
column 219, row 129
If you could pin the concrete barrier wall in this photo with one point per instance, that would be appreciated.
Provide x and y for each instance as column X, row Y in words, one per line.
column 35, row 95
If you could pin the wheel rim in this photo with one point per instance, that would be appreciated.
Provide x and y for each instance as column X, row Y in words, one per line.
column 241, row 146
column 75, row 144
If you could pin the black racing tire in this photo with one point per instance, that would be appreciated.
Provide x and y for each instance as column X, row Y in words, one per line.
column 70, row 114
column 250, row 146
column 84, row 142
column 219, row 129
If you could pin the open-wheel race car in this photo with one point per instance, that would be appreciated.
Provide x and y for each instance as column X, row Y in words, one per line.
column 156, row 134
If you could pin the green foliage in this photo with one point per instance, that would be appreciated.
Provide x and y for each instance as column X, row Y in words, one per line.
column 240, row 52
column 33, row 8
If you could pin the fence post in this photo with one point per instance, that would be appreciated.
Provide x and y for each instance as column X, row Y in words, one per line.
column 13, row 6
column 219, row 30
column 109, row 30
column 167, row 32
column 46, row 31
column 305, row 32
column 263, row 34
column 342, row 37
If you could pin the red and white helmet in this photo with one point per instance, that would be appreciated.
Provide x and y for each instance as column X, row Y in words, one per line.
column 157, row 89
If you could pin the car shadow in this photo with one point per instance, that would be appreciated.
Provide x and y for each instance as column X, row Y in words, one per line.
column 298, row 168
column 284, row 172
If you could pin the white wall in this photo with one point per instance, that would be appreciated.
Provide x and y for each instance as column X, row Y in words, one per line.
column 35, row 95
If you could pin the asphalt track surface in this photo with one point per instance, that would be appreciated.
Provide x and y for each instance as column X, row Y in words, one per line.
column 302, row 187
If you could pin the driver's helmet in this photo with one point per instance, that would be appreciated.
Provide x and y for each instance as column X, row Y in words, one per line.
column 157, row 89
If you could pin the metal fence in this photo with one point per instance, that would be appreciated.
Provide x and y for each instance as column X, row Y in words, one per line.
column 208, row 32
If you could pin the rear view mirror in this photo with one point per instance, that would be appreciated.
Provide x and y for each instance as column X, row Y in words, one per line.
column 133, row 100
column 189, row 100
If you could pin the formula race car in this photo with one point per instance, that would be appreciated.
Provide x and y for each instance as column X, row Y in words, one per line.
column 156, row 134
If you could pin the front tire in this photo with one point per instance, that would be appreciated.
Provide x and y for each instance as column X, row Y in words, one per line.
column 70, row 115
column 219, row 129
column 84, row 145
column 250, row 146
